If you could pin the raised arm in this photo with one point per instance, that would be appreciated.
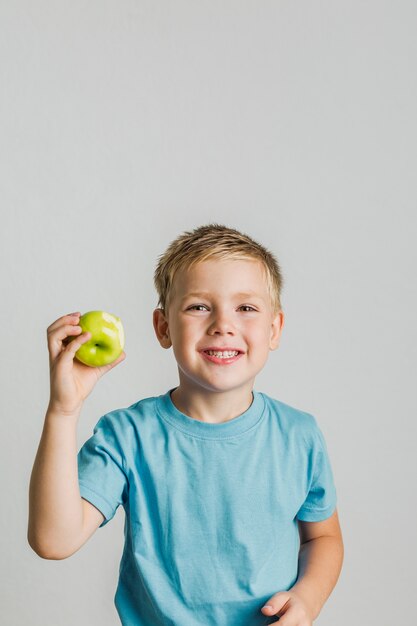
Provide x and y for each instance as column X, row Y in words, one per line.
column 60, row 521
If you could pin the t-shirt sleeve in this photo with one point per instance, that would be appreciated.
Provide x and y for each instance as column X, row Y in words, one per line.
column 321, row 498
column 101, row 469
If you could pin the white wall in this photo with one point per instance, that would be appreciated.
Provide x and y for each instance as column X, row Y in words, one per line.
column 123, row 124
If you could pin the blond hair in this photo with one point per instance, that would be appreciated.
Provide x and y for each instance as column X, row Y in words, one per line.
column 214, row 241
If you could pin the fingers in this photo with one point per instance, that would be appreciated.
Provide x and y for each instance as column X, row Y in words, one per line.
column 73, row 346
column 65, row 337
column 64, row 319
column 283, row 609
column 291, row 616
column 280, row 613
column 288, row 620
column 59, row 330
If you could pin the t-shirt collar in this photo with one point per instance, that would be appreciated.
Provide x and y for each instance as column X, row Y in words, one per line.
column 224, row 430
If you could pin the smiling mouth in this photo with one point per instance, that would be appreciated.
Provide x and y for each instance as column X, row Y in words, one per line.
column 222, row 354
column 222, row 358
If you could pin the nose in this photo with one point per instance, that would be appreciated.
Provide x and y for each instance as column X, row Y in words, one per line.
column 221, row 324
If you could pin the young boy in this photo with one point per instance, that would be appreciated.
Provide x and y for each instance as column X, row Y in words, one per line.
column 228, row 493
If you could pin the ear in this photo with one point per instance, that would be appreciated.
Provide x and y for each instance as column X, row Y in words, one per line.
column 276, row 330
column 160, row 324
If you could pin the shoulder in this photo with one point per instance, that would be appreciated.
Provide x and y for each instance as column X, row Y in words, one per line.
column 121, row 423
column 292, row 419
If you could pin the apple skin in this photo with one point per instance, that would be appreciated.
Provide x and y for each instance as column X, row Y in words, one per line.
column 106, row 342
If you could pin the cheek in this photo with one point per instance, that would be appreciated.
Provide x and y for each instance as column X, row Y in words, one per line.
column 186, row 337
column 260, row 339
column 260, row 333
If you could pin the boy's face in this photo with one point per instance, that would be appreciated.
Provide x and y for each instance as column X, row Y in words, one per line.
column 218, row 318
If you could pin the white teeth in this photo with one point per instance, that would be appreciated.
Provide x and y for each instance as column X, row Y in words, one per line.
column 222, row 355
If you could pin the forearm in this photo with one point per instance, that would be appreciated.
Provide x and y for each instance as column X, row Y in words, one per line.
column 319, row 565
column 55, row 506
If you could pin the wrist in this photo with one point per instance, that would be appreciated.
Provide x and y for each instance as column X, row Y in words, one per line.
column 54, row 412
column 308, row 598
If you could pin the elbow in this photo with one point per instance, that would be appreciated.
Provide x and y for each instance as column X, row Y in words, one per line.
column 49, row 556
column 45, row 553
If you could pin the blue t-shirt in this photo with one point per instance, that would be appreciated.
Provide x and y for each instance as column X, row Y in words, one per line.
column 211, row 509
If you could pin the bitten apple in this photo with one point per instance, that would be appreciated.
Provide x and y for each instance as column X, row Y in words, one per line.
column 107, row 338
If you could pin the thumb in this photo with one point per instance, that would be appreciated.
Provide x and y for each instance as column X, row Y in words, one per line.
column 276, row 603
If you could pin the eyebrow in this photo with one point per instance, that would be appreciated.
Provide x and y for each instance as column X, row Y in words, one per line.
column 240, row 294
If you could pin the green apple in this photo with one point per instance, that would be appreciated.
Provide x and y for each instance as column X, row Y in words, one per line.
column 107, row 338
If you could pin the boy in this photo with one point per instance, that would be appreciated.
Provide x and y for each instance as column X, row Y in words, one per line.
column 229, row 496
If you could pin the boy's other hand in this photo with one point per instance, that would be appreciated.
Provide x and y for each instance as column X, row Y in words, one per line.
column 289, row 608
column 70, row 381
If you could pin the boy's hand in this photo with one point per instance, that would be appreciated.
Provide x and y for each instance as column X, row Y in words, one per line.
column 290, row 609
column 71, row 381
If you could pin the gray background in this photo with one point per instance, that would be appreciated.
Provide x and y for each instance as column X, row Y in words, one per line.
column 124, row 123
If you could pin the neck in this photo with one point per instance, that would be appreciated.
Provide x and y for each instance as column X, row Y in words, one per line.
column 212, row 407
